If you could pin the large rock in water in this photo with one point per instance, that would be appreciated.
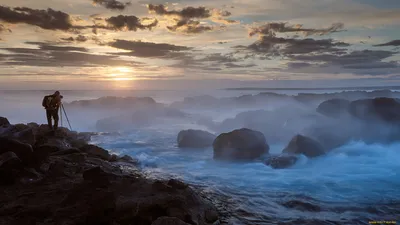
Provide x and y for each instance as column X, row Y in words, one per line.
column 240, row 145
column 195, row 139
column 334, row 107
column 304, row 145
column 281, row 161
column 384, row 109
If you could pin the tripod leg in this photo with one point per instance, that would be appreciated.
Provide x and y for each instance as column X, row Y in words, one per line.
column 61, row 117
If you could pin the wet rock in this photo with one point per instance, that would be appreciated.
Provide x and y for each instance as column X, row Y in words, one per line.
column 76, row 157
column 56, row 169
column 10, row 160
column 96, row 151
column 334, row 107
column 281, row 161
column 304, row 145
column 127, row 160
column 211, row 215
column 161, row 186
column 7, row 177
column 384, row 109
column 302, row 206
column 26, row 136
column 102, row 205
column 195, row 139
column 168, row 221
column 33, row 125
column 240, row 145
column 4, row 121
column 113, row 158
column 177, row 184
column 66, row 151
column 23, row 151
column 96, row 176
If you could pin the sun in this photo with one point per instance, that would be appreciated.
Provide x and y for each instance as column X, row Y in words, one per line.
column 124, row 69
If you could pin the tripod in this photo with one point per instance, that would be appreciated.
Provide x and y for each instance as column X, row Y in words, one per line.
column 62, row 109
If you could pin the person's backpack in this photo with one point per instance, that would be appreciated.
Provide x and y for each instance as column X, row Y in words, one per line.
column 47, row 101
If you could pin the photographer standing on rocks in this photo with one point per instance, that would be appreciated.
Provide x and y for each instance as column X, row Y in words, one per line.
column 52, row 104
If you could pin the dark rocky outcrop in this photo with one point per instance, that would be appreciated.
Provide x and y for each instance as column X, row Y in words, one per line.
column 80, row 186
column 10, row 160
column 168, row 221
column 240, row 145
column 4, row 121
column 96, row 151
column 383, row 109
column 195, row 139
column 334, row 107
column 304, row 145
column 23, row 151
column 280, row 161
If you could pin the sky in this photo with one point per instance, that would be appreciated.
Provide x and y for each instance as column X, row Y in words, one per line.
column 184, row 44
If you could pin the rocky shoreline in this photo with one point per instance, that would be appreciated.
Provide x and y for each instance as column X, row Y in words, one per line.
column 59, row 178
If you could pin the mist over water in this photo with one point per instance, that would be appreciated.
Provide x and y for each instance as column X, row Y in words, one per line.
column 353, row 184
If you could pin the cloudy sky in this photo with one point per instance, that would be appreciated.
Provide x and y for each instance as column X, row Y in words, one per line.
column 97, row 44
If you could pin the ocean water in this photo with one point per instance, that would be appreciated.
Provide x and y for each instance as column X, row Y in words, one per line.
column 354, row 184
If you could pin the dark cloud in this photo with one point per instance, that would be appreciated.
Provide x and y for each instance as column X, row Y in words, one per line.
column 277, row 46
column 131, row 23
column 185, row 23
column 298, row 65
column 234, row 65
column 112, row 4
column 270, row 29
column 358, row 62
column 219, row 58
column 47, row 19
column 355, row 57
column 3, row 28
column 189, row 27
column 390, row 43
column 70, row 39
column 185, row 13
column 149, row 49
column 79, row 38
column 48, row 55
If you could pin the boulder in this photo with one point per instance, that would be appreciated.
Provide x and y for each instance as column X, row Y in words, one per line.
column 177, row 184
column 23, row 151
column 7, row 177
column 334, row 107
column 195, row 139
column 304, row 145
column 168, row 221
column 9, row 160
column 281, row 161
column 383, row 109
column 41, row 154
column 240, row 145
column 4, row 121
column 27, row 136
column 96, row 176
column 33, row 125
column 96, row 151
